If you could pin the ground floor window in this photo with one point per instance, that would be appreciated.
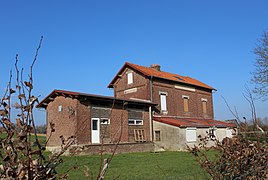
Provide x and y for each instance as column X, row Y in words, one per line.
column 191, row 134
column 157, row 136
column 135, row 122
column 105, row 121
column 212, row 133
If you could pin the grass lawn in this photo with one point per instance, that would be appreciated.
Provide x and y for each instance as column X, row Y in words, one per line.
column 164, row 165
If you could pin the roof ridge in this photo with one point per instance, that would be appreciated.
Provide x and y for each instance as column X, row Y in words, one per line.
column 151, row 72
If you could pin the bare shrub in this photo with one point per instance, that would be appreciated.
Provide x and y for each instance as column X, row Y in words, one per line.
column 22, row 155
column 236, row 158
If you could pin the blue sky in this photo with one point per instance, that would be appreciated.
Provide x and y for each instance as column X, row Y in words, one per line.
column 86, row 43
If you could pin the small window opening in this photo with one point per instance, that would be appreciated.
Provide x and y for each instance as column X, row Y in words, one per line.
column 135, row 122
column 186, row 103
column 157, row 136
column 130, row 78
column 204, row 107
column 95, row 125
column 60, row 108
column 105, row 121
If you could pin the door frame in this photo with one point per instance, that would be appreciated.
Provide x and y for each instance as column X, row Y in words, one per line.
column 95, row 133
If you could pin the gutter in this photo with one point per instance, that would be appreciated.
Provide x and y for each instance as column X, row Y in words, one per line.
column 150, row 109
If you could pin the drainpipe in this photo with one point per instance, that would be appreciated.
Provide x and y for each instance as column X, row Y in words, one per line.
column 150, row 110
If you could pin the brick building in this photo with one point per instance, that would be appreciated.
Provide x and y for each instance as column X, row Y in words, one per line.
column 95, row 119
column 149, row 105
column 184, row 105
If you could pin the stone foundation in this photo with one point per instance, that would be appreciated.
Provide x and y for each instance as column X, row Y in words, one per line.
column 105, row 148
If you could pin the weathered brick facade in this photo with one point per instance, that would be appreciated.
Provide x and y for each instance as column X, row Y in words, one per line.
column 143, row 86
column 140, row 95
column 72, row 116
column 64, row 121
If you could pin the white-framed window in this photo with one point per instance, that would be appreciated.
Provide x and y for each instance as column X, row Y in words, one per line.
column 191, row 134
column 163, row 101
column 129, row 77
column 60, row 108
column 105, row 121
column 135, row 122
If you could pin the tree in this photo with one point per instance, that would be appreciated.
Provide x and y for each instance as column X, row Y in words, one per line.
column 260, row 75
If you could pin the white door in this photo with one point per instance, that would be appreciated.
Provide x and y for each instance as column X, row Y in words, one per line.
column 95, row 130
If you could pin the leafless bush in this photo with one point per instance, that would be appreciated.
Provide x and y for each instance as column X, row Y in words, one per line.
column 236, row 158
column 22, row 155
column 243, row 156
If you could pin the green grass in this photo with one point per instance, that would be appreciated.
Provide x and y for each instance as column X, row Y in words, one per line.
column 165, row 165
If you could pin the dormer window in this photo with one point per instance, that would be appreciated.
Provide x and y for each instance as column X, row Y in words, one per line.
column 129, row 77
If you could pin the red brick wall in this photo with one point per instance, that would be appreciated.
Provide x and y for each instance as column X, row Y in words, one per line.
column 119, row 125
column 145, row 127
column 75, row 120
column 175, row 100
column 139, row 81
column 83, row 124
column 65, row 121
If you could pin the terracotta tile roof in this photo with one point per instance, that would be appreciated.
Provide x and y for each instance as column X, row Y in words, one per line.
column 80, row 95
column 192, row 122
column 148, row 71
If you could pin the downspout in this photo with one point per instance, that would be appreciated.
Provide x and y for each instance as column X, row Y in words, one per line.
column 150, row 109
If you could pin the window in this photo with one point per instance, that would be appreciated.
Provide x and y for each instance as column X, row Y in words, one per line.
column 60, row 108
column 163, row 101
column 135, row 122
column 212, row 133
column 139, row 135
column 105, row 121
column 191, row 134
column 204, row 105
column 157, row 136
column 185, row 103
column 94, row 124
column 130, row 78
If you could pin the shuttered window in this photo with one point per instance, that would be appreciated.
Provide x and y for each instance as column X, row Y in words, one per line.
column 204, row 105
column 191, row 134
column 185, row 103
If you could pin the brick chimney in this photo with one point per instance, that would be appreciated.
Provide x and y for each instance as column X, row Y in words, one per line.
column 156, row 67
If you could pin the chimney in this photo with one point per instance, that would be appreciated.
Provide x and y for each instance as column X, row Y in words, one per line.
column 156, row 67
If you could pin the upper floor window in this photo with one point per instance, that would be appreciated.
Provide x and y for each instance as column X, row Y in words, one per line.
column 129, row 77
column 163, row 101
column 60, row 108
column 185, row 103
column 204, row 105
